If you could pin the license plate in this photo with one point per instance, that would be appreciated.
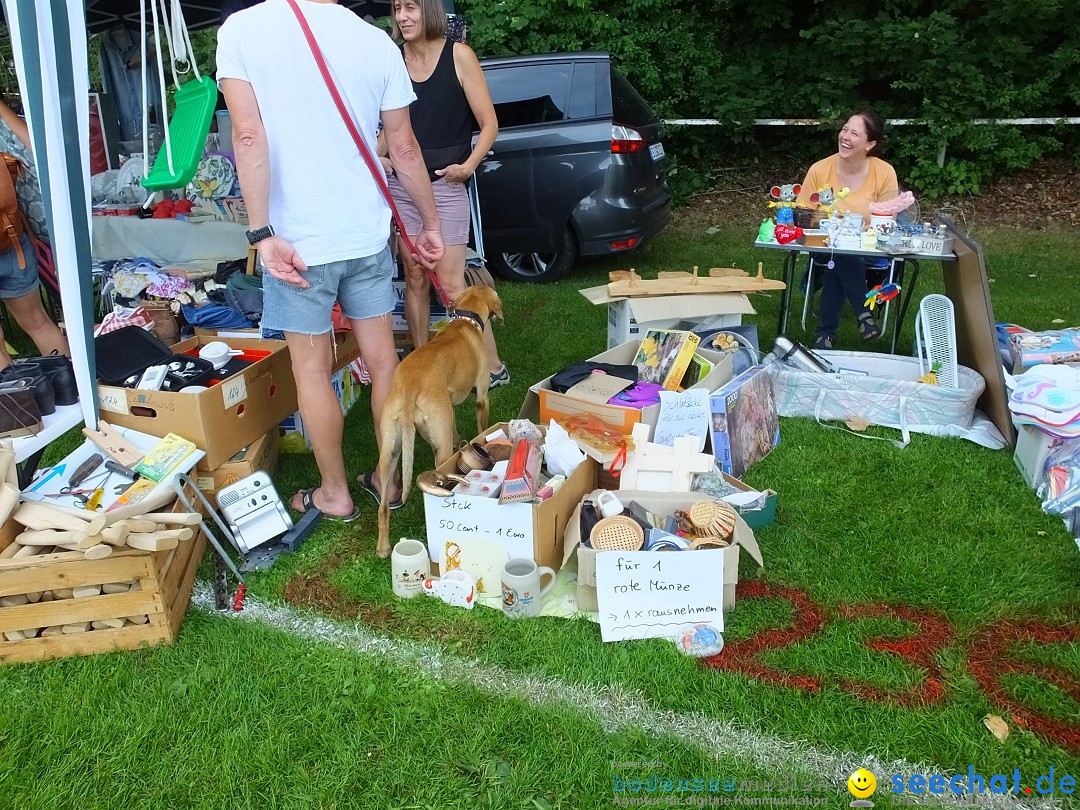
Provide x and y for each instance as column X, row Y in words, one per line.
column 656, row 150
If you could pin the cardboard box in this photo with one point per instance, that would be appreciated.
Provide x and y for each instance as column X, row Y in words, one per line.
column 745, row 425
column 261, row 454
column 347, row 348
column 438, row 312
column 525, row 529
column 222, row 420
column 347, row 390
column 1032, row 448
column 659, row 503
column 542, row 404
column 629, row 318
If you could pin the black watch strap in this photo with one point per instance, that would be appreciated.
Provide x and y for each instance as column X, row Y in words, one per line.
column 258, row 235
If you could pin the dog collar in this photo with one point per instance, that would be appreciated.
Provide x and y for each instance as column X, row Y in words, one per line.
column 467, row 315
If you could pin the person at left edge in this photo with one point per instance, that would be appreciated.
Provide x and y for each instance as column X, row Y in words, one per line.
column 319, row 221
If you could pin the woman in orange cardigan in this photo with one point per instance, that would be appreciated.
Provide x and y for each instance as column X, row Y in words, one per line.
column 869, row 179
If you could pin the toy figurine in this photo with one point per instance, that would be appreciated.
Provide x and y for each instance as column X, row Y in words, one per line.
column 784, row 202
column 765, row 232
column 825, row 199
column 869, row 239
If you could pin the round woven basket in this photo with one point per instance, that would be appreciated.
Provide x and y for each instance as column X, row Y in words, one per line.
column 618, row 533
column 709, row 542
column 713, row 518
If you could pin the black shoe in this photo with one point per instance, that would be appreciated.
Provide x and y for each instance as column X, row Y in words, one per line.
column 868, row 328
column 822, row 342
column 37, row 380
column 19, row 414
column 61, row 375
column 500, row 377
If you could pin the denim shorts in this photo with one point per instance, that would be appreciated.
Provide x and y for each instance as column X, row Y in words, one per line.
column 363, row 286
column 17, row 281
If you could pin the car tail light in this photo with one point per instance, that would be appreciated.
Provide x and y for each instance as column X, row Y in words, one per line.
column 625, row 244
column 626, row 139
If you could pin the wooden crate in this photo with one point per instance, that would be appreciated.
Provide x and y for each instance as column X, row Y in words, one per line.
column 165, row 578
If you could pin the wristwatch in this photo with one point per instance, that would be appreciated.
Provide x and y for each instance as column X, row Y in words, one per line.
column 258, row 235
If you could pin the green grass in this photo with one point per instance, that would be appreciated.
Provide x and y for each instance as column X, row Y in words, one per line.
column 232, row 712
column 242, row 716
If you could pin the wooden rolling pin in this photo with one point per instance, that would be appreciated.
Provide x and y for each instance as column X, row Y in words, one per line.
column 44, row 516
column 174, row 518
column 52, row 537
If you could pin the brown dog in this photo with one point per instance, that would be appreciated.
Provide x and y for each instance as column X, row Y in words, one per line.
column 426, row 386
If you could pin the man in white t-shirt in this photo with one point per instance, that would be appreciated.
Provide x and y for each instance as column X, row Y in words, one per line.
column 317, row 217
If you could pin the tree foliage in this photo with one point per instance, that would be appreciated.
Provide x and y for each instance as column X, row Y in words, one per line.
column 944, row 63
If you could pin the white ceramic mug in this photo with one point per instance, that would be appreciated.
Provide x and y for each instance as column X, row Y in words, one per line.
column 854, row 221
column 409, row 565
column 521, row 591
column 884, row 225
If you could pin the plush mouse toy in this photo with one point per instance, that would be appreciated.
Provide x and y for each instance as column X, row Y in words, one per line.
column 784, row 202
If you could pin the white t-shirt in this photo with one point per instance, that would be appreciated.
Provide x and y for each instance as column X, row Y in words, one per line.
column 322, row 196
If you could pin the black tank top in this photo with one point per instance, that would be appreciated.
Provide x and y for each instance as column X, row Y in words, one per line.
column 441, row 117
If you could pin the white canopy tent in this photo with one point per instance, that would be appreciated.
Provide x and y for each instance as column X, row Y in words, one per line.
column 49, row 44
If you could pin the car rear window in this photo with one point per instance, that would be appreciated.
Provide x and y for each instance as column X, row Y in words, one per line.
column 529, row 94
column 627, row 105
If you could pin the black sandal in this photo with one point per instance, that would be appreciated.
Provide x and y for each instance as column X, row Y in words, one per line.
column 868, row 328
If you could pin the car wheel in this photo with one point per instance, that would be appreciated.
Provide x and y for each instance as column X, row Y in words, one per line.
column 539, row 268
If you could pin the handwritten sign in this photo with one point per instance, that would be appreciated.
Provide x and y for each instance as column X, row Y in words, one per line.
column 654, row 594
column 113, row 400
column 458, row 516
column 684, row 413
column 234, row 391
column 598, row 388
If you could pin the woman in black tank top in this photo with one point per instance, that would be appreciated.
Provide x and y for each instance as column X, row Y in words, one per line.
column 452, row 101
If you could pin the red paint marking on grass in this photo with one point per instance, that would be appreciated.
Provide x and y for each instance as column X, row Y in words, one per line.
column 741, row 656
column 933, row 635
column 989, row 659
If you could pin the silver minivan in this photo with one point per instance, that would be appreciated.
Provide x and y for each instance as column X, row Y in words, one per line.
column 577, row 169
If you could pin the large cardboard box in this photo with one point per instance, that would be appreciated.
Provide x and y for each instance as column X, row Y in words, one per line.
column 630, row 318
column 659, row 503
column 525, row 529
column 261, row 454
column 222, row 420
column 543, row 404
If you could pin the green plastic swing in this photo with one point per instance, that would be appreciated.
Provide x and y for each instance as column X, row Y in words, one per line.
column 194, row 103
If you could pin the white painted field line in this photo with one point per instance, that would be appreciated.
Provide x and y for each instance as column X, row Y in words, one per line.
column 616, row 708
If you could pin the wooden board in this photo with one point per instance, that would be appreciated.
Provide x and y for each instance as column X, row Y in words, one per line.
column 629, row 284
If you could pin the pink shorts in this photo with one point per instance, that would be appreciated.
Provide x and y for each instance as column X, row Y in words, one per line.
column 452, row 203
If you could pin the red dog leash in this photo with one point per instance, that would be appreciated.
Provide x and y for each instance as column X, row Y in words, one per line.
column 375, row 168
